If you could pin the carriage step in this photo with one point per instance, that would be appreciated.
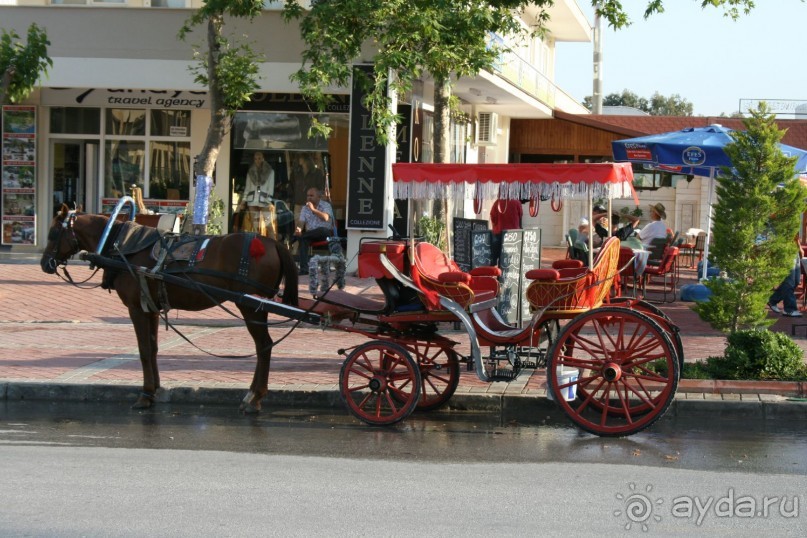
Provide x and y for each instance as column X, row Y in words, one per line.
column 504, row 374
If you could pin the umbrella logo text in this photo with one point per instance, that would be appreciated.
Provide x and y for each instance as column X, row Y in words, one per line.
column 693, row 156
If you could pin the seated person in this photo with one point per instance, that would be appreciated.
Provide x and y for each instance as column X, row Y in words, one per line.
column 316, row 224
column 601, row 221
column 580, row 246
column 583, row 231
column 657, row 228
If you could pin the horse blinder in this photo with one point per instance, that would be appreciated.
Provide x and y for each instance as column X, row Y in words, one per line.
column 50, row 258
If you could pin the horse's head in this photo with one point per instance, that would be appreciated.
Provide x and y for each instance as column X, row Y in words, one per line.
column 62, row 240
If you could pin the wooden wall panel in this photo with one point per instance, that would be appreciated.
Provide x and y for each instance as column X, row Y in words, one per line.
column 559, row 137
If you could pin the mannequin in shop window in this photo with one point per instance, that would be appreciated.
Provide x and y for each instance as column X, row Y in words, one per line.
column 258, row 196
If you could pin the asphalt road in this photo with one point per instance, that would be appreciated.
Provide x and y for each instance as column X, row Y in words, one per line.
column 103, row 470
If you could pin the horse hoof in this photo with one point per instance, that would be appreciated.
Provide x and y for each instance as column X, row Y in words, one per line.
column 251, row 404
column 250, row 409
column 144, row 401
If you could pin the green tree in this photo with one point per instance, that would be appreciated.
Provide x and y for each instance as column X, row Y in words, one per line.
column 21, row 64
column 227, row 66
column 674, row 105
column 755, row 222
column 409, row 39
column 405, row 39
column 657, row 105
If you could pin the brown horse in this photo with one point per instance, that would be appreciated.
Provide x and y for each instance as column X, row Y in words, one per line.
column 237, row 263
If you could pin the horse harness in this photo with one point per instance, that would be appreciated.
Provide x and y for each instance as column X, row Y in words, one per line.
column 67, row 226
column 168, row 249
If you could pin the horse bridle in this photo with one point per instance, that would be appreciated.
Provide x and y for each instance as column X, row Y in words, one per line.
column 67, row 227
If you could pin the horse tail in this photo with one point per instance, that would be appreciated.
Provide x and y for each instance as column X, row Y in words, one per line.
column 289, row 270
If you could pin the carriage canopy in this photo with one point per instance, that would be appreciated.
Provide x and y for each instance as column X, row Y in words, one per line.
column 514, row 181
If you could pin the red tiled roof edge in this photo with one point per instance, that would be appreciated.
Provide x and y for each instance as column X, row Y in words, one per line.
column 633, row 126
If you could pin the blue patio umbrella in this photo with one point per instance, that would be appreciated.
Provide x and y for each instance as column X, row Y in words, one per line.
column 695, row 150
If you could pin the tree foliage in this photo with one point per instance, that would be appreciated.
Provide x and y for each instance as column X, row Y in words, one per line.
column 657, row 105
column 755, row 222
column 22, row 63
column 226, row 65
column 406, row 39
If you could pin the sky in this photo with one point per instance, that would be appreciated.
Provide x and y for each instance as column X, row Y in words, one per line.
column 697, row 53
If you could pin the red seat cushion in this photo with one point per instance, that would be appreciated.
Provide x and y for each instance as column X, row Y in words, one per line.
column 432, row 261
column 543, row 274
column 453, row 277
column 486, row 270
column 567, row 264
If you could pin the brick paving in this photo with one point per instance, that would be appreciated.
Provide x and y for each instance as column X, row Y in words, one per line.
column 51, row 331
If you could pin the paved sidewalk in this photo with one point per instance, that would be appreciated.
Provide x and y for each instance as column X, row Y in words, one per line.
column 59, row 341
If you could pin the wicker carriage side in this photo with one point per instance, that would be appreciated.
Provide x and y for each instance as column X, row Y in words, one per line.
column 571, row 291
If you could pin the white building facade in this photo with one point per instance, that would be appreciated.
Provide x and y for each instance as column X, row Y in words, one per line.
column 120, row 108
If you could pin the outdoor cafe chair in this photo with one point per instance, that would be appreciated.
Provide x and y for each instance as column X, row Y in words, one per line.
column 666, row 271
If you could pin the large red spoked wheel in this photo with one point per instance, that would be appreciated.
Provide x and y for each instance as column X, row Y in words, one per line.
column 659, row 317
column 380, row 383
column 439, row 374
column 604, row 357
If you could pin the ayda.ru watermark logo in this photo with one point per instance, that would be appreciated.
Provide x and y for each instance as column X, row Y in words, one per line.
column 641, row 509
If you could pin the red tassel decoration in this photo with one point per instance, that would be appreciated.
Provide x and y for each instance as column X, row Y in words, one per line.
column 256, row 248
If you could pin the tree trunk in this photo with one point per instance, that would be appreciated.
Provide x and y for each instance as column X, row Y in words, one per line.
column 442, row 119
column 219, row 118
column 5, row 83
column 442, row 135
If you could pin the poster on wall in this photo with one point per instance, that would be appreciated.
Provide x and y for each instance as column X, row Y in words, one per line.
column 18, row 201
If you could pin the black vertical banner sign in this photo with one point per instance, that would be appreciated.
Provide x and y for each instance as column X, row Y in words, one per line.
column 403, row 136
column 366, row 192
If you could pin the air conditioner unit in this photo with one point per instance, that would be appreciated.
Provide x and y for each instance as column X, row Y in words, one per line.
column 486, row 126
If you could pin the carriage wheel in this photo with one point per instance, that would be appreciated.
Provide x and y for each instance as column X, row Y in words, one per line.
column 659, row 317
column 671, row 331
column 603, row 356
column 439, row 373
column 380, row 383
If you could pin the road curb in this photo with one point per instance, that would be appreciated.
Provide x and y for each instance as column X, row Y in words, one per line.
column 510, row 407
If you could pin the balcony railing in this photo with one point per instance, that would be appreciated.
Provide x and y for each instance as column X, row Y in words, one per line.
column 511, row 67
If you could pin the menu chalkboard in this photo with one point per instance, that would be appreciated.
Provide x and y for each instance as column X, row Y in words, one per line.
column 462, row 229
column 530, row 259
column 481, row 255
column 510, row 263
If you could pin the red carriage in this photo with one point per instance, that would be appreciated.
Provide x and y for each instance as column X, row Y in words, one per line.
column 612, row 367
column 612, row 364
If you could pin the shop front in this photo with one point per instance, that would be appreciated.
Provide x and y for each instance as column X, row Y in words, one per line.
column 88, row 147
column 273, row 160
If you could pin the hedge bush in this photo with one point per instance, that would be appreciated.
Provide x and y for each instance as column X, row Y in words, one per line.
column 750, row 354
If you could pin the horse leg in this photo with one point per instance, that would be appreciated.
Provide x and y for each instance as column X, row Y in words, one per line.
column 256, row 325
column 146, row 325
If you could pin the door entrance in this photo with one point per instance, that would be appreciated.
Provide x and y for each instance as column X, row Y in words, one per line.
column 74, row 169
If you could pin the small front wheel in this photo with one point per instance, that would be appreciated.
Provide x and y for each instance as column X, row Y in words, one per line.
column 380, row 383
column 439, row 372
